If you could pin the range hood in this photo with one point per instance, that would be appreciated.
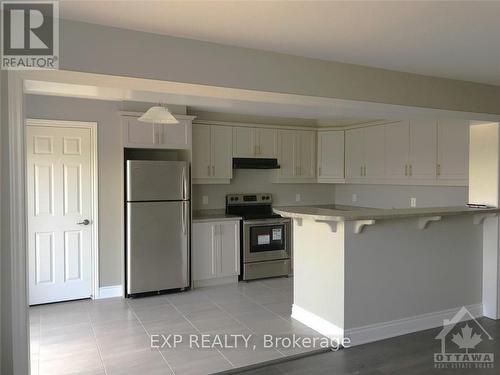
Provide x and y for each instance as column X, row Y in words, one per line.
column 255, row 163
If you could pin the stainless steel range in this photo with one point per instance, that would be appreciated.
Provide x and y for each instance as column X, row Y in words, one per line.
column 266, row 238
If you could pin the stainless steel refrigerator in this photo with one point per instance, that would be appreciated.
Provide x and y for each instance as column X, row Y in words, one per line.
column 157, row 225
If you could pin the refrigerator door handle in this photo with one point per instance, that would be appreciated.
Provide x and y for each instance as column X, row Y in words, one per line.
column 184, row 184
column 184, row 205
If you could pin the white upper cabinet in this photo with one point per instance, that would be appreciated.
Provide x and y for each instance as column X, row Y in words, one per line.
column 160, row 136
column 286, row 153
column 297, row 155
column 212, row 154
column 423, row 149
column 365, row 154
column 265, row 142
column 306, row 154
column 202, row 151
column 354, row 153
column 244, row 142
column 222, row 153
column 453, row 149
column 397, row 149
column 374, row 166
column 330, row 155
column 254, row 142
column 410, row 150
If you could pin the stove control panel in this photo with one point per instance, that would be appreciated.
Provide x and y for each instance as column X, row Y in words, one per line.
column 248, row 199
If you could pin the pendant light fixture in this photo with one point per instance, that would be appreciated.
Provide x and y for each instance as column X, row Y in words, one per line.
column 158, row 114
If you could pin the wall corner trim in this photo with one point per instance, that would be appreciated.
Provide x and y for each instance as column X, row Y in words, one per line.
column 110, row 292
column 317, row 323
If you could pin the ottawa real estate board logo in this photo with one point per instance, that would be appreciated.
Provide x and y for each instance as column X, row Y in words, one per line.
column 464, row 344
column 30, row 35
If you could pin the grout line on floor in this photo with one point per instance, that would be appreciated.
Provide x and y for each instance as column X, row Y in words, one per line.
column 149, row 335
column 201, row 333
column 96, row 342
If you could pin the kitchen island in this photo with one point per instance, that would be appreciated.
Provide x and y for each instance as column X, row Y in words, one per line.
column 369, row 274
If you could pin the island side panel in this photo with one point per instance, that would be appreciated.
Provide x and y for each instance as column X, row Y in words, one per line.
column 395, row 271
column 318, row 299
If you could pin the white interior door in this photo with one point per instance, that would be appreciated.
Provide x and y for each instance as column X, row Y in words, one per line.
column 59, row 183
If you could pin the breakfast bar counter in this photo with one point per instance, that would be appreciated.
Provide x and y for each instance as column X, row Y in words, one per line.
column 367, row 274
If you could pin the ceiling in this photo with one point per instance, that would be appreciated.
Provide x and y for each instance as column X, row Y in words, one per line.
column 453, row 39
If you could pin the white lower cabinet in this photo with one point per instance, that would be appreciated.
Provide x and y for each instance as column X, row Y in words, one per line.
column 215, row 252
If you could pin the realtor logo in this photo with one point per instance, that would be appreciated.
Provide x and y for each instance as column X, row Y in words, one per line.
column 461, row 338
column 30, row 35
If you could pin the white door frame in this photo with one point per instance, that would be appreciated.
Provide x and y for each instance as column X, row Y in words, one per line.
column 94, row 216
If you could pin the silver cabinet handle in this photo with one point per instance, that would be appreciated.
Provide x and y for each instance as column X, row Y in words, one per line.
column 84, row 222
column 319, row 171
column 213, row 170
column 438, row 169
column 406, row 169
column 208, row 170
column 361, row 170
column 411, row 172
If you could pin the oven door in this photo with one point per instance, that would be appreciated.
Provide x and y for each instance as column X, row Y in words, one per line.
column 267, row 239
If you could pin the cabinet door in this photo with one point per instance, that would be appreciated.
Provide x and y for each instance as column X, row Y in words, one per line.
column 244, row 142
column 201, row 167
column 222, row 153
column 423, row 148
column 175, row 135
column 453, row 149
column 331, row 154
column 305, row 155
column 229, row 255
column 354, row 152
column 286, row 152
column 139, row 134
column 397, row 149
column 204, row 251
column 266, row 142
column 374, row 152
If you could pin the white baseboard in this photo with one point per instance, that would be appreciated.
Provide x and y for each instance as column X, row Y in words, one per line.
column 110, row 292
column 393, row 328
column 214, row 282
column 317, row 323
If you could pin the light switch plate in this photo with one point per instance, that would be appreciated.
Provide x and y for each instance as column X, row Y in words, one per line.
column 413, row 202
column 355, row 197
column 204, row 199
column 297, row 198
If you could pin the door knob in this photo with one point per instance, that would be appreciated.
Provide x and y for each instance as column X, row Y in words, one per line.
column 84, row 222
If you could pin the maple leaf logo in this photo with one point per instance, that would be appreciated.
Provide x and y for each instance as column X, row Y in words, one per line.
column 466, row 339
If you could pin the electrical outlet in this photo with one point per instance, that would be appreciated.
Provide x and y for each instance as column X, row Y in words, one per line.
column 355, row 197
column 204, row 199
column 297, row 198
column 413, row 202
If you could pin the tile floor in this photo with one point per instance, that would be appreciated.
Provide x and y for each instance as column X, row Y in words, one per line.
column 113, row 336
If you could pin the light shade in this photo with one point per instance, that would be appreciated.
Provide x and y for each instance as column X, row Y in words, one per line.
column 158, row 115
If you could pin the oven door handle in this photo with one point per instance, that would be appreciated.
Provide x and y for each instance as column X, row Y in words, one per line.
column 266, row 222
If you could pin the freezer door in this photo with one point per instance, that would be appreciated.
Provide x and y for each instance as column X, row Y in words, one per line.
column 157, row 246
column 149, row 180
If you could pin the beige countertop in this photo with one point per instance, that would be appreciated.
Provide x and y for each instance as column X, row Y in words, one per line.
column 351, row 213
column 212, row 215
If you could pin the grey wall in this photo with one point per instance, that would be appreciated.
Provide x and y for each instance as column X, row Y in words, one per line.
column 101, row 49
column 395, row 271
column 260, row 181
column 398, row 196
column 110, row 153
